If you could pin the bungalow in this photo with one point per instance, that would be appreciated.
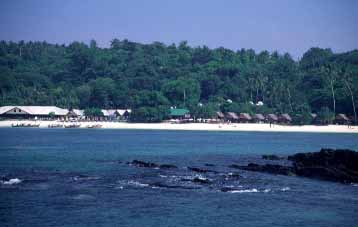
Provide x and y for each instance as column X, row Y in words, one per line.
column 245, row 118
column 119, row 114
column 272, row 118
column 341, row 119
column 179, row 113
column 231, row 116
column 285, row 119
column 33, row 112
column 259, row 118
column 76, row 113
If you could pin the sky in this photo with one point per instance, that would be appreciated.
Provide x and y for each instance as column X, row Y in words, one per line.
column 291, row 26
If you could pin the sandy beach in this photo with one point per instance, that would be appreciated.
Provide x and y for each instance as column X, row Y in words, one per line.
column 248, row 127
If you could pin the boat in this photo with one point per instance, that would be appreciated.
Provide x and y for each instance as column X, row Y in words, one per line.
column 94, row 126
column 23, row 125
column 55, row 126
column 73, row 126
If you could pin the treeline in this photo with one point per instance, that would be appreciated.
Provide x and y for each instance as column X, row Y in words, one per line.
column 150, row 78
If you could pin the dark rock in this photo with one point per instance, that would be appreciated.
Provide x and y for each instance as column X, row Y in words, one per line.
column 139, row 163
column 267, row 168
column 227, row 189
column 272, row 157
column 198, row 170
column 201, row 180
column 168, row 166
column 162, row 185
column 339, row 165
column 335, row 165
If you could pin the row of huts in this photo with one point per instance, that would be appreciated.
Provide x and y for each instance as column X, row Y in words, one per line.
column 274, row 118
column 56, row 113
column 184, row 116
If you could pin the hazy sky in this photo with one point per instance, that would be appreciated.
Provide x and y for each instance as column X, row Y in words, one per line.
column 285, row 25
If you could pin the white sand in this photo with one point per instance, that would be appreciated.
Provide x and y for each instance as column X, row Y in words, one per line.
column 204, row 126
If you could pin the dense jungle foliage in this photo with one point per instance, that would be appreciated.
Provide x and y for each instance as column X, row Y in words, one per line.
column 151, row 78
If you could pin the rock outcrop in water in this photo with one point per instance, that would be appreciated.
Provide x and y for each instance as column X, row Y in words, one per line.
column 267, row 168
column 328, row 164
column 334, row 165
column 144, row 164
column 272, row 157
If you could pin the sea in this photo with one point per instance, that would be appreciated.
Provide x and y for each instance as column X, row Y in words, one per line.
column 87, row 177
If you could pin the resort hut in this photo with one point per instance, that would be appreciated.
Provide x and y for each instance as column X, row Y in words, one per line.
column 179, row 113
column 315, row 119
column 272, row 118
column 106, row 115
column 285, row 119
column 259, row 118
column 342, row 119
column 76, row 114
column 245, row 118
column 231, row 116
column 219, row 116
column 119, row 114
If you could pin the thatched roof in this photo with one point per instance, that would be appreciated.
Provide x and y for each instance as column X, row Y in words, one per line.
column 259, row 117
column 245, row 116
column 272, row 117
column 285, row 117
column 313, row 115
column 342, row 117
column 220, row 114
column 232, row 115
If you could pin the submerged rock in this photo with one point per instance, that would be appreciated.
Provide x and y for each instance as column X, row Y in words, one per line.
column 163, row 185
column 198, row 170
column 272, row 157
column 267, row 168
column 144, row 164
column 168, row 166
column 139, row 163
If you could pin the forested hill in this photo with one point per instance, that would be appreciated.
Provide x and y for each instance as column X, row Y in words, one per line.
column 150, row 78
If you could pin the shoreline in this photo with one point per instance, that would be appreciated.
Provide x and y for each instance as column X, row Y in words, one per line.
column 240, row 127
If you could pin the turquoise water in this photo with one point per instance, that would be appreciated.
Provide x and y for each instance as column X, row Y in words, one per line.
column 79, row 177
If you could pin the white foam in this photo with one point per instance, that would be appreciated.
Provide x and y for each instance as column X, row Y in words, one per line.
column 267, row 190
column 12, row 181
column 136, row 183
column 285, row 189
column 245, row 191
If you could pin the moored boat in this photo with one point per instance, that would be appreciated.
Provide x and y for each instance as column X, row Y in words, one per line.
column 73, row 126
column 94, row 126
column 24, row 125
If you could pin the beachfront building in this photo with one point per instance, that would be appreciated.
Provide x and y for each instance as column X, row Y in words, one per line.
column 272, row 118
column 76, row 114
column 342, row 119
column 259, row 118
column 179, row 114
column 33, row 112
column 119, row 114
column 232, row 117
column 285, row 119
column 244, row 118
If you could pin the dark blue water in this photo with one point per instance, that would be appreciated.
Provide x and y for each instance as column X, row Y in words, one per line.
column 79, row 177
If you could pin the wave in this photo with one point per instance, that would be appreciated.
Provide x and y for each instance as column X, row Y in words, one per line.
column 245, row 191
column 12, row 181
column 285, row 189
column 134, row 183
